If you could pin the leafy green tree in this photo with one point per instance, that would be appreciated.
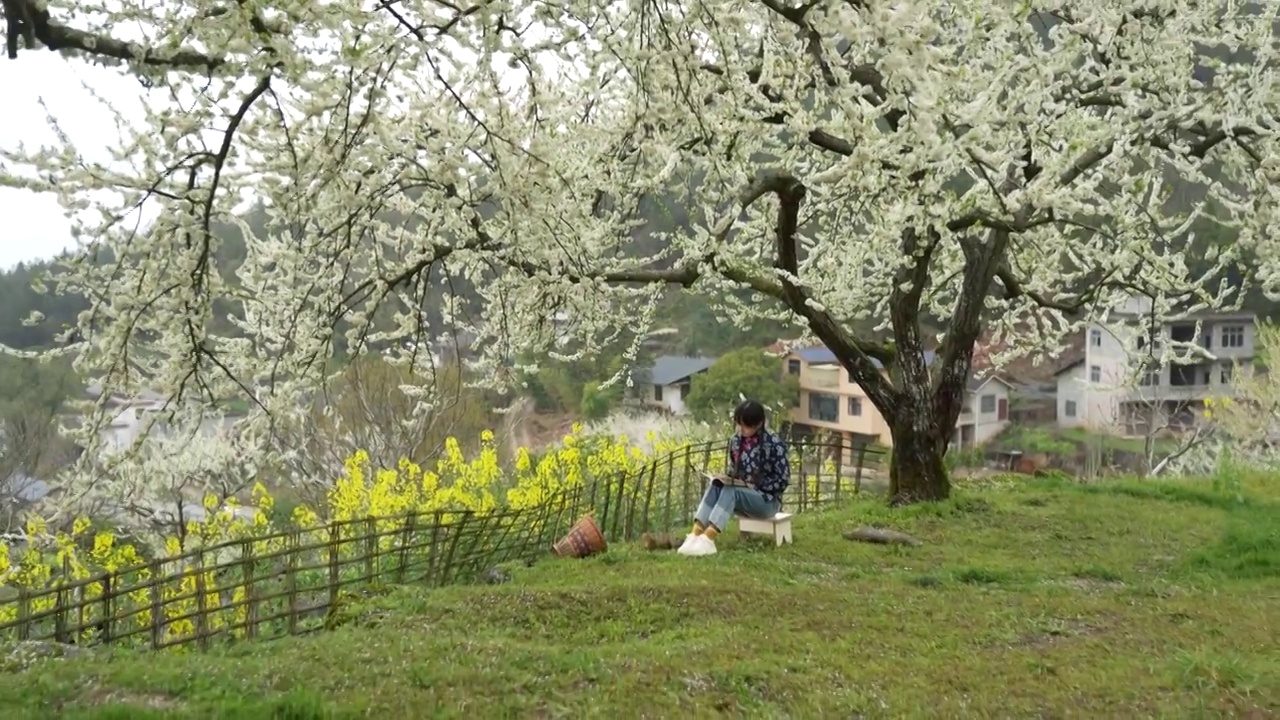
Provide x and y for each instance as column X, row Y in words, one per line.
column 568, row 387
column 747, row 372
column 598, row 402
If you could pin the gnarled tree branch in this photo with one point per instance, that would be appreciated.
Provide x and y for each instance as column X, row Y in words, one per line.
column 32, row 21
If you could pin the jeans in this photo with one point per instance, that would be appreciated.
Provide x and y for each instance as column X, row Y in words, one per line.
column 720, row 503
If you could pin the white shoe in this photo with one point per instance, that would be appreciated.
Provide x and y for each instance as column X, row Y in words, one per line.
column 686, row 548
column 698, row 546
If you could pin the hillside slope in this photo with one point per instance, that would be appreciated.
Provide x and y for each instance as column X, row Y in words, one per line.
column 1108, row 600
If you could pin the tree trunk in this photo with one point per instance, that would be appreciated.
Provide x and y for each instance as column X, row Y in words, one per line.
column 917, row 472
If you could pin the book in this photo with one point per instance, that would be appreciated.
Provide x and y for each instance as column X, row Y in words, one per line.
column 726, row 480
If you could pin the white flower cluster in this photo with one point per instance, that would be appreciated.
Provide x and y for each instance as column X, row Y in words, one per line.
column 427, row 169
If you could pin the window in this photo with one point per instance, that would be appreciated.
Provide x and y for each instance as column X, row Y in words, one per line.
column 1069, row 409
column 1150, row 379
column 1154, row 342
column 1224, row 376
column 1232, row 336
column 855, row 407
column 850, row 376
column 1095, row 338
column 824, row 407
column 1095, row 373
column 1183, row 375
column 987, row 404
column 793, row 366
column 657, row 393
column 684, row 391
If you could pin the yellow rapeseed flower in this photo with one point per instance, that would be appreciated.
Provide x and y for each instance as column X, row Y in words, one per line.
column 387, row 495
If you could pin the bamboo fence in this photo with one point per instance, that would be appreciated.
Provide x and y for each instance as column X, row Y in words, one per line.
column 296, row 581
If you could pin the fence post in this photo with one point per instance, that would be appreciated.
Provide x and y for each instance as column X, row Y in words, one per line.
column 857, row 479
column 447, row 568
column 433, row 547
column 157, row 603
column 370, row 549
column 602, row 511
column 406, row 539
column 470, row 557
column 108, row 612
column 250, row 593
column 60, row 606
column 646, row 522
column 839, row 454
column 819, row 459
column 617, row 512
column 507, row 519
column 335, row 537
column 685, row 502
column 804, row 477
column 667, row 522
column 202, row 604
column 291, row 578
column 24, row 613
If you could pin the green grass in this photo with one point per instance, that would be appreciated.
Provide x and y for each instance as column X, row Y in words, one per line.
column 1063, row 441
column 1045, row 598
column 1105, row 442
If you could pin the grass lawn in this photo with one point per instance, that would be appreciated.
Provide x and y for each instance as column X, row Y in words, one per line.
column 1039, row 599
column 1069, row 441
column 1105, row 442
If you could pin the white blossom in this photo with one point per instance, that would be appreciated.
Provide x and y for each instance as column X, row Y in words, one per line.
column 529, row 152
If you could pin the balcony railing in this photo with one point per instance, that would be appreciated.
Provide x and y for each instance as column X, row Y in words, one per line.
column 824, row 378
column 1167, row 392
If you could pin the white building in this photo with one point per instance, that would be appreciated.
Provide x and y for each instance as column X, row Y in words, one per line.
column 985, row 412
column 1121, row 385
column 666, row 385
column 131, row 418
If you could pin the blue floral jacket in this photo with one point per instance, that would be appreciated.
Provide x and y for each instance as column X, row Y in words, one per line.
column 764, row 462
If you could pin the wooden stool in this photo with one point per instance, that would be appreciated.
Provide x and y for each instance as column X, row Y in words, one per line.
column 779, row 526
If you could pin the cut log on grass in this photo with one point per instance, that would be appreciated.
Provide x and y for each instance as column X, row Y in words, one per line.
column 660, row 541
column 881, row 536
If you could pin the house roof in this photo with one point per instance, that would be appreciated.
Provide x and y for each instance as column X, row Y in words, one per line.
column 823, row 355
column 671, row 369
column 977, row 383
column 1069, row 366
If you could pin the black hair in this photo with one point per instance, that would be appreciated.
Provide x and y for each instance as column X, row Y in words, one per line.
column 749, row 413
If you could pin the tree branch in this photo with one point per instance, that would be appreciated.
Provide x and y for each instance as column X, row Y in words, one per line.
column 31, row 19
column 904, row 305
column 854, row 355
column 1014, row 289
column 955, row 355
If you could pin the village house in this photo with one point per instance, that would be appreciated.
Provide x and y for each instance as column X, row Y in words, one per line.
column 1116, row 385
column 831, row 401
column 666, row 384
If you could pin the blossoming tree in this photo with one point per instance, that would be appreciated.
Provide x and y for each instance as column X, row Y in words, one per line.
column 975, row 163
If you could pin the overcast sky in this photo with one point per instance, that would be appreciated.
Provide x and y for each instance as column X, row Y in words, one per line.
column 32, row 225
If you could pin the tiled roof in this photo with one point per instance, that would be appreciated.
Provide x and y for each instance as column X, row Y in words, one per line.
column 823, row 355
column 671, row 369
